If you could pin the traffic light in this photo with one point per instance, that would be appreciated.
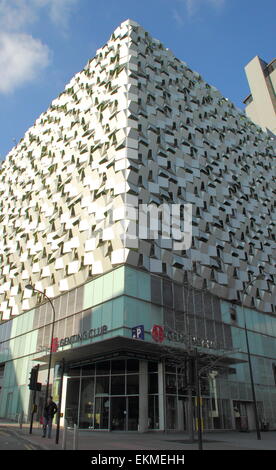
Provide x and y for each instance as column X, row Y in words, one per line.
column 33, row 378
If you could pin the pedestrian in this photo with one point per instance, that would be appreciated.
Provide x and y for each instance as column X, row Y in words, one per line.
column 49, row 412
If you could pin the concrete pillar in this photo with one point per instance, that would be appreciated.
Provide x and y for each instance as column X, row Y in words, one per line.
column 143, row 396
column 63, row 399
column 162, row 398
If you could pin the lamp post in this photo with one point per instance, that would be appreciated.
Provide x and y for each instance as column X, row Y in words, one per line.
column 244, row 292
column 262, row 276
column 30, row 287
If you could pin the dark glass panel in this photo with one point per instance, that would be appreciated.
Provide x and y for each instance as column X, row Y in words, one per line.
column 167, row 293
column 156, row 295
column 133, row 384
column 132, row 365
column 102, row 385
column 118, row 385
column 118, row 366
column 103, row 368
column 153, row 383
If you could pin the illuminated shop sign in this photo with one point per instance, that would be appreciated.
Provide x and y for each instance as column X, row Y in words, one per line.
column 138, row 332
column 87, row 334
column 157, row 333
column 160, row 333
column 179, row 337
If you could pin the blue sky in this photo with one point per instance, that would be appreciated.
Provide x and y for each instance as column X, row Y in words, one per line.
column 43, row 43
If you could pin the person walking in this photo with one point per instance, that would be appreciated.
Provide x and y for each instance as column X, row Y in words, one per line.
column 49, row 412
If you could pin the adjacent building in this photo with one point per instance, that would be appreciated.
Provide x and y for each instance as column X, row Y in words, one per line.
column 261, row 103
column 136, row 136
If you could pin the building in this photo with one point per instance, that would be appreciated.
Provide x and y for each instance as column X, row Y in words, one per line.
column 137, row 130
column 261, row 103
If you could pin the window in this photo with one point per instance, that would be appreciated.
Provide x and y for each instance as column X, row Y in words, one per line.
column 156, row 295
column 167, row 292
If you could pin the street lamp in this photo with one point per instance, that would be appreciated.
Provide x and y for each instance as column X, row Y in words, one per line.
column 30, row 287
column 262, row 276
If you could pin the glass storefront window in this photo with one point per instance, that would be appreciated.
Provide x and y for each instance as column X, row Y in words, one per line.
column 152, row 366
column 171, row 383
column 171, row 413
column 118, row 414
column 133, row 384
column 133, row 413
column 101, row 414
column 118, row 366
column 118, row 385
column 153, row 383
column 74, row 372
column 153, row 412
column 87, row 403
column 72, row 401
column 103, row 368
column 102, row 385
column 88, row 370
column 182, row 384
column 132, row 365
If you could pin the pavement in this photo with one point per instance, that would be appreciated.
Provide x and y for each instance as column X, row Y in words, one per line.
column 135, row 441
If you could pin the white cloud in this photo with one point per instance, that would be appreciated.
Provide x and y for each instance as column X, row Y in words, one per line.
column 18, row 14
column 21, row 60
column 59, row 10
column 22, row 57
column 193, row 6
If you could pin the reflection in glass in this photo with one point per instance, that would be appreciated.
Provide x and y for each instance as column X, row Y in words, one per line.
column 87, row 403
column 171, row 413
column 171, row 383
column 118, row 414
column 101, row 412
column 72, row 401
column 153, row 412
column 102, row 385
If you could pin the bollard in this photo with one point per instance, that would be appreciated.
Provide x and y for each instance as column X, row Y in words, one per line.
column 75, row 440
column 64, row 436
column 20, row 419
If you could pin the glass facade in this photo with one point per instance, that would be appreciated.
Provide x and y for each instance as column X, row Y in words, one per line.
column 122, row 299
column 104, row 395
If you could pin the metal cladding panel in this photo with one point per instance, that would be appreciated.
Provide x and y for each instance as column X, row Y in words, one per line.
column 137, row 126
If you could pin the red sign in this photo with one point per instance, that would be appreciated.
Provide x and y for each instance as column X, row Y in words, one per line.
column 157, row 333
column 54, row 345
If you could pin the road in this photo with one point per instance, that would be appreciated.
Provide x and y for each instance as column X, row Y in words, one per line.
column 10, row 441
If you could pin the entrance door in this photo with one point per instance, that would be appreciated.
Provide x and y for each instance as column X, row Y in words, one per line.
column 118, row 416
column 124, row 413
column 101, row 412
column 133, row 413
